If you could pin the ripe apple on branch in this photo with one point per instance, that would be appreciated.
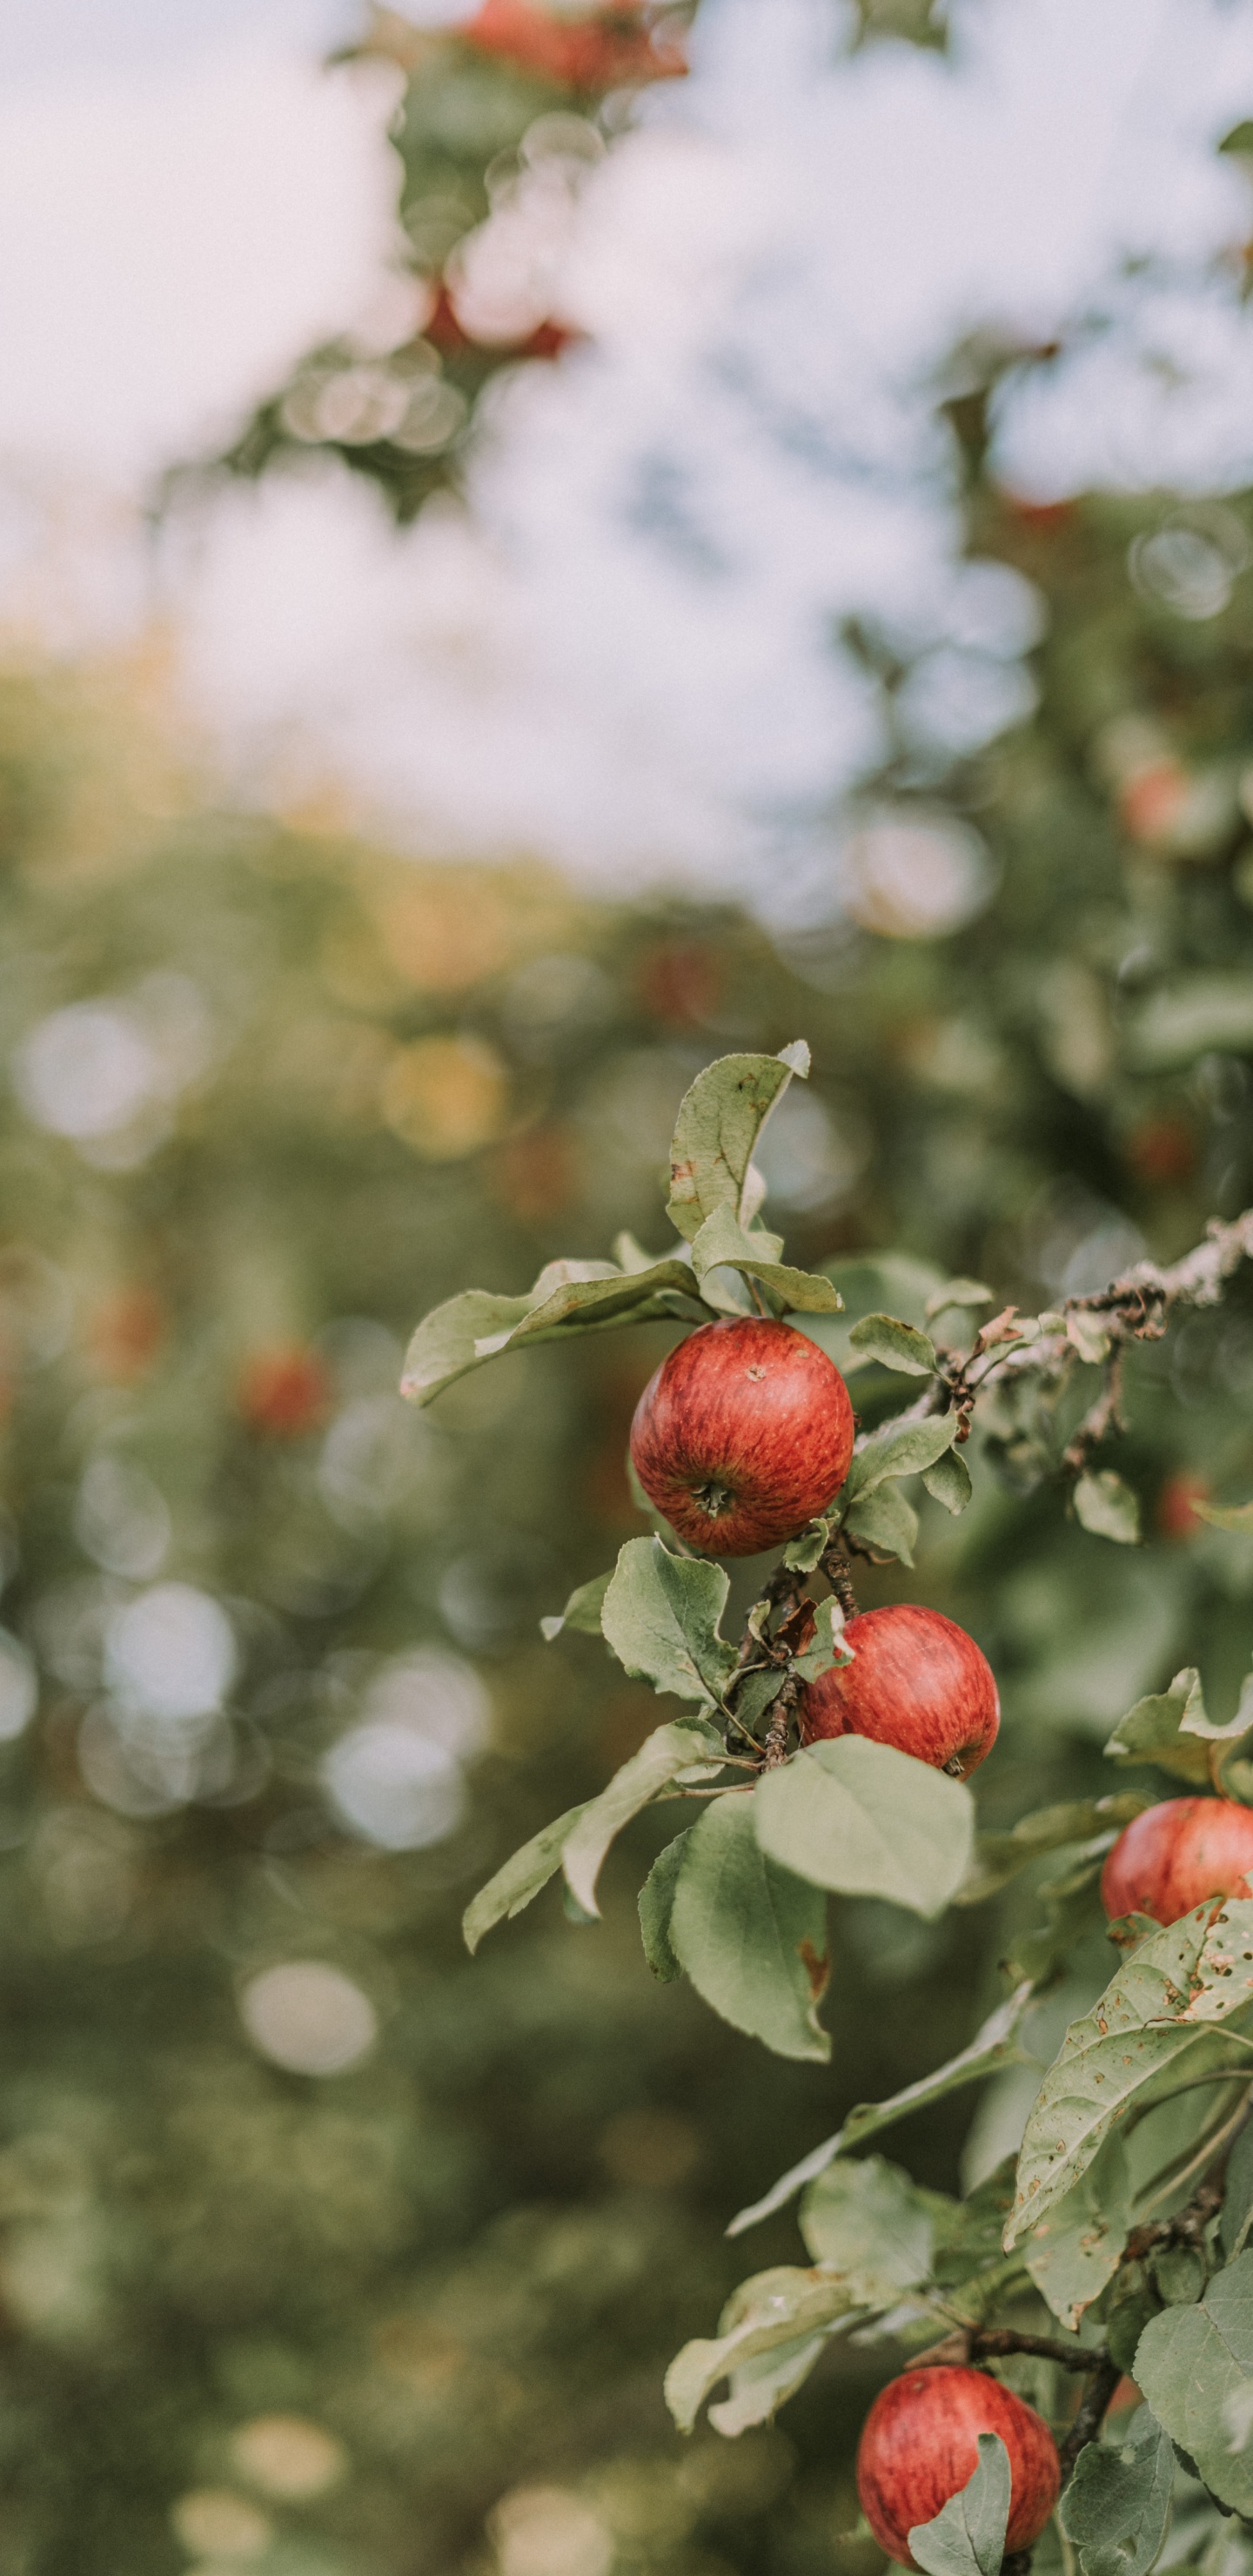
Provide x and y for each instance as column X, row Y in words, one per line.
column 827, row 1750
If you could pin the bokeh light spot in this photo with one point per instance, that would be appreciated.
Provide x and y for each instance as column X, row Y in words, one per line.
column 19, row 1687
column 172, row 1652
column 213, row 2522
column 308, row 2017
column 288, row 2457
column 544, row 2531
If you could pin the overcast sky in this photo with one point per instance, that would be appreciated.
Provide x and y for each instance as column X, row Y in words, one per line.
column 623, row 658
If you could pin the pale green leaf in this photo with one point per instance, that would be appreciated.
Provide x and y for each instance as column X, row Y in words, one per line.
column 1076, row 2246
column 999, row 1857
column 967, row 2537
column 865, row 1820
column 899, row 1346
column 781, row 2306
column 827, row 1647
column 1107, row 1507
column 1173, row 1731
column 906, row 1451
column 582, row 1610
column 1072, row 1911
column 949, row 1481
column 520, row 1879
column 750, row 1936
column 1191, row 2363
column 759, row 2387
column 1117, row 2505
column 993, row 2047
column 1087, row 1335
column 723, row 1244
column 669, row 1750
column 1225, row 1516
column 718, row 1125
column 959, row 1292
column 1160, row 2016
column 593, row 1294
column 805, row 1552
column 660, row 1615
column 884, row 1519
column 1237, row 2210
column 446, row 1343
column 656, row 1900
column 568, row 1296
column 866, row 2216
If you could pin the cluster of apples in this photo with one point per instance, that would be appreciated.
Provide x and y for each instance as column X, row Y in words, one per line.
column 740, row 1440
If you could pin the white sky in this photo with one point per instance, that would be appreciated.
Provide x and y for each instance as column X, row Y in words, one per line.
column 624, row 658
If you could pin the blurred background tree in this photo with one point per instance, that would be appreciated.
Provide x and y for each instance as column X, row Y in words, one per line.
column 326, row 2253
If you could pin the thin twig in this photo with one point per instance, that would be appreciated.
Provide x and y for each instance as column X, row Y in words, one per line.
column 1091, row 2414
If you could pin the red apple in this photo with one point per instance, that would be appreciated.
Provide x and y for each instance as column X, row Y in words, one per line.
column 743, row 1436
column 920, row 2445
column 1175, row 1855
column 284, row 1392
column 916, row 1681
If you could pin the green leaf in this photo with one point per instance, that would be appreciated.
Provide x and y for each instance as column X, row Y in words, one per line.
column 898, row 1346
column 750, row 1936
column 1072, row 1911
column 1191, row 2363
column 722, row 1243
column 1173, row 1731
column 656, row 1900
column 1088, row 1335
column 773, row 2308
column 1227, row 1516
column 568, row 1296
column 520, row 1879
column 660, row 1615
column 967, row 2537
column 582, row 1610
column 760, row 2387
column 948, row 1481
column 885, row 1520
column 826, row 1648
column 1117, row 2505
column 668, row 1750
column 806, row 1551
column 1107, row 1507
column 1075, row 2248
column 959, row 1292
column 999, row 1857
column 1161, row 2015
column 1237, row 2211
column 906, row 1451
column 865, row 1820
column 718, row 1125
column 866, row 2216
column 994, row 2046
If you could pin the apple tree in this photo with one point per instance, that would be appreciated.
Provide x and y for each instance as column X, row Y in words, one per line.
column 827, row 1751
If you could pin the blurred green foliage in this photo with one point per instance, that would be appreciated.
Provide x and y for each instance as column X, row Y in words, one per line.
column 409, row 2313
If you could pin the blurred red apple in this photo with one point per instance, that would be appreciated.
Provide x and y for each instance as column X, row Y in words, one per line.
column 744, row 1435
column 1174, row 1515
column 596, row 50
column 1175, row 1855
column 916, row 1681
column 284, row 1392
column 920, row 2445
